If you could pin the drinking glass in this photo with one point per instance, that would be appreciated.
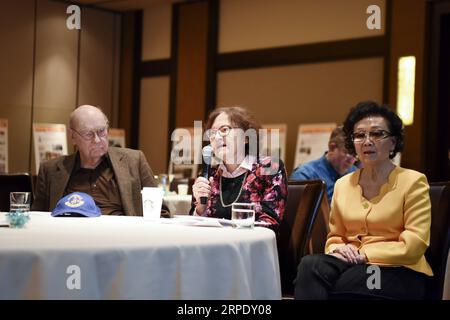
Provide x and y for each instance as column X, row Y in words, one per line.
column 19, row 207
column 243, row 215
column 19, row 201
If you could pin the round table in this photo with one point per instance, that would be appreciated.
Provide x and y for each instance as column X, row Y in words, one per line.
column 113, row 257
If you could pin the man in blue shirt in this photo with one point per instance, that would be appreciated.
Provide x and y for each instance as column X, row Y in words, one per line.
column 335, row 163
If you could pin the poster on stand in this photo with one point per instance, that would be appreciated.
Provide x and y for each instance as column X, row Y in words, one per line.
column 312, row 141
column 273, row 141
column 186, row 152
column 116, row 137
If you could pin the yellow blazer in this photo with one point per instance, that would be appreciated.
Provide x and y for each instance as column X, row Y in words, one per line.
column 392, row 229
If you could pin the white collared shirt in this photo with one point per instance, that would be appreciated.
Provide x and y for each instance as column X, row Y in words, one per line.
column 246, row 165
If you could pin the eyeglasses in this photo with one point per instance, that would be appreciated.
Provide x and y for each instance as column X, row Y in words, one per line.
column 89, row 135
column 223, row 131
column 375, row 135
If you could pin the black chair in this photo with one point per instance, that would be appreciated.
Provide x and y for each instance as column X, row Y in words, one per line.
column 294, row 234
column 320, row 228
column 437, row 252
column 14, row 182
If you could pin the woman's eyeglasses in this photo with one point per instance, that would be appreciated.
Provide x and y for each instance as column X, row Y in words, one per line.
column 89, row 135
column 375, row 135
column 223, row 131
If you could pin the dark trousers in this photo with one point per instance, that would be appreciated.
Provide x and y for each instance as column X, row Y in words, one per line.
column 322, row 276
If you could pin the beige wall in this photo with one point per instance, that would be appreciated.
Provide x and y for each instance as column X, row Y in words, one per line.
column 300, row 94
column 55, row 71
column 16, row 66
column 98, row 64
column 55, row 67
column 156, row 33
column 154, row 122
column 256, row 24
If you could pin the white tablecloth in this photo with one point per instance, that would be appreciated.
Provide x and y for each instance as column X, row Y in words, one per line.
column 178, row 204
column 131, row 258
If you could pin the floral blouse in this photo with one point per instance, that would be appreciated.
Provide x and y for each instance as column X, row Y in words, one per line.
column 265, row 185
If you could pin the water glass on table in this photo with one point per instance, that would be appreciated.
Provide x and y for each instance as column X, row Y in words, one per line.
column 243, row 215
column 19, row 207
column 163, row 183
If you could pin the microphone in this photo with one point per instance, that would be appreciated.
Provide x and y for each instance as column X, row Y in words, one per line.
column 207, row 155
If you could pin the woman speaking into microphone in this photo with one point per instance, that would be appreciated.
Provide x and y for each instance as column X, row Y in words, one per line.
column 240, row 175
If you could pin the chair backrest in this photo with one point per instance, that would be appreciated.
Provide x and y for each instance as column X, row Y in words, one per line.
column 14, row 182
column 304, row 198
column 437, row 252
column 320, row 228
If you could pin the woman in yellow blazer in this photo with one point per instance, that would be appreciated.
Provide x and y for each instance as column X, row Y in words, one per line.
column 380, row 219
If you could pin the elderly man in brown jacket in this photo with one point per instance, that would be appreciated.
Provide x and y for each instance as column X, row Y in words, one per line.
column 114, row 177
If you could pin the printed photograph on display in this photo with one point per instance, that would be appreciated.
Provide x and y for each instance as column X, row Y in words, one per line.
column 116, row 137
column 312, row 141
column 50, row 141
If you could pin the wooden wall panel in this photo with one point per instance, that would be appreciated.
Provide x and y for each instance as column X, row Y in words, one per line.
column 127, row 46
column 301, row 94
column 55, row 66
column 191, row 64
column 408, row 38
column 97, row 60
column 16, row 70
column 39, row 69
column 153, row 122
column 257, row 24
column 157, row 24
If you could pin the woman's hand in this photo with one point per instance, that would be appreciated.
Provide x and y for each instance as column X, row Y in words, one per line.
column 349, row 253
column 362, row 258
column 201, row 188
column 339, row 256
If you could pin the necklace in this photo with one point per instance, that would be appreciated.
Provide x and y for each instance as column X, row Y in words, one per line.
column 239, row 194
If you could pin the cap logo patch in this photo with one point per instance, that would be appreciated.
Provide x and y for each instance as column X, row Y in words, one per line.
column 74, row 201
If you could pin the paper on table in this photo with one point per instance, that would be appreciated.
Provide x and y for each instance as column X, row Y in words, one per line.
column 203, row 221
column 193, row 221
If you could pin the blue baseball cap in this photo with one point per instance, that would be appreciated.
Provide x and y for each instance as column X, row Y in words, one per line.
column 76, row 204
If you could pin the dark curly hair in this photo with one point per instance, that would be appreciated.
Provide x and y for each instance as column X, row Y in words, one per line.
column 365, row 109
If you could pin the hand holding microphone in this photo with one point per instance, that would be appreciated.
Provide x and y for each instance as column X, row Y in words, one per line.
column 201, row 187
column 202, row 190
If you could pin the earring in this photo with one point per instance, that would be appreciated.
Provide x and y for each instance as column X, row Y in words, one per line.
column 391, row 153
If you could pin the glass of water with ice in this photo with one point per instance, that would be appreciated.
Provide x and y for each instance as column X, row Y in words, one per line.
column 19, row 207
column 19, row 201
column 243, row 215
